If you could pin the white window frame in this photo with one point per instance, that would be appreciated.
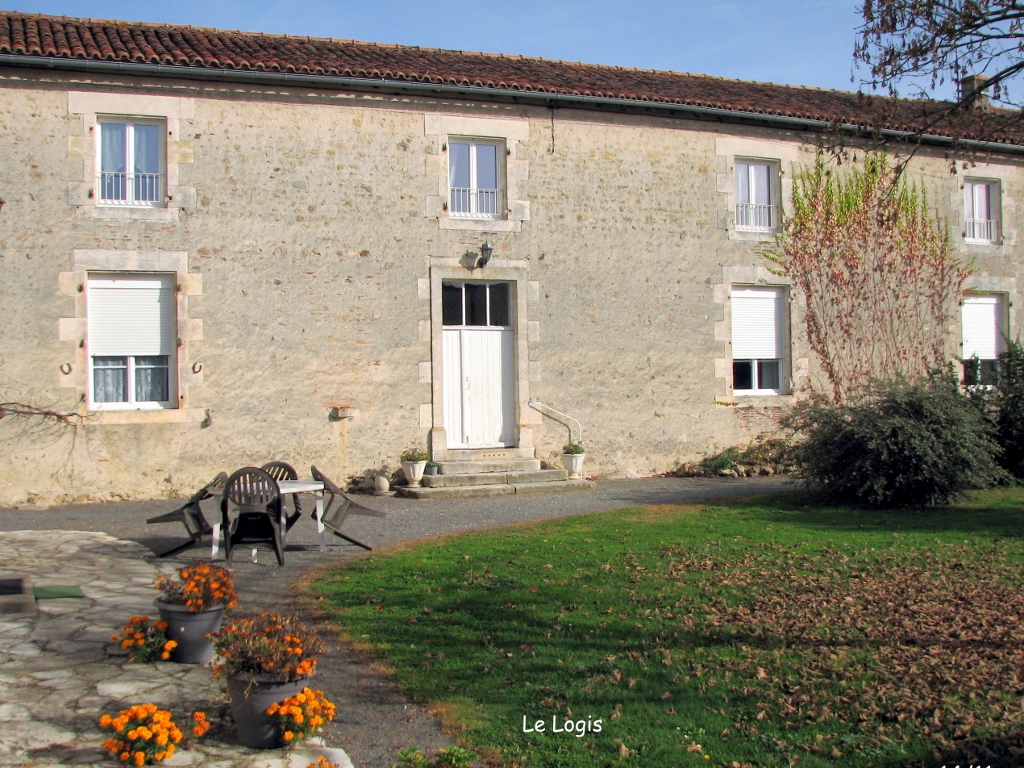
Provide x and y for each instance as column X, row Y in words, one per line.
column 161, row 181
column 474, row 194
column 756, row 217
column 740, row 292
column 982, row 231
column 969, row 347
column 94, row 279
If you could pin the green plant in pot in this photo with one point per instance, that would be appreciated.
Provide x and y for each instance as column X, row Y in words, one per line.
column 266, row 658
column 572, row 459
column 414, row 462
column 193, row 603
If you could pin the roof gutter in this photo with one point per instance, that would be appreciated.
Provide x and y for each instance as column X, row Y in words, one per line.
column 475, row 92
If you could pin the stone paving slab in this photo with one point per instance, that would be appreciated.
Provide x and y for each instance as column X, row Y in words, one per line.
column 59, row 673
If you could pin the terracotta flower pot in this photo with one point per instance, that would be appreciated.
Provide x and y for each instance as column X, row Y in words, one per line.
column 190, row 631
column 251, row 696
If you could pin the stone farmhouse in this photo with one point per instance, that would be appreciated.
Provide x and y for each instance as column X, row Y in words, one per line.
column 222, row 248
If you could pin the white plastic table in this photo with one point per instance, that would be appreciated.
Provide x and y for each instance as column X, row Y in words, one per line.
column 289, row 486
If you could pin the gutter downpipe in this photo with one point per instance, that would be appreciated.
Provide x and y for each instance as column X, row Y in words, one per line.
column 483, row 94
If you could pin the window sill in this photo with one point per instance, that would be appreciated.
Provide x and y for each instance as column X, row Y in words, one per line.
column 129, row 212
column 753, row 235
column 754, row 397
column 479, row 225
column 145, row 416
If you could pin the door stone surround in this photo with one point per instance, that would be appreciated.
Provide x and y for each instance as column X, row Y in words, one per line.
column 514, row 272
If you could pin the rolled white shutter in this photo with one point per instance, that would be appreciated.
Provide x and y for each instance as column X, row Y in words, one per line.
column 757, row 323
column 983, row 326
column 131, row 315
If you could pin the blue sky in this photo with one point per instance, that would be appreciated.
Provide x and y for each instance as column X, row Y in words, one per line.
column 802, row 42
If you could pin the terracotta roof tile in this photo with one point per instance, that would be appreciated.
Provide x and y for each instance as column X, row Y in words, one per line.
column 114, row 41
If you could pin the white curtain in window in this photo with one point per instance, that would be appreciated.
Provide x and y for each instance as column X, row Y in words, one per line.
column 110, row 379
column 486, row 166
column 976, row 201
column 983, row 326
column 131, row 315
column 458, row 165
column 113, row 147
column 147, row 148
column 753, row 183
column 757, row 323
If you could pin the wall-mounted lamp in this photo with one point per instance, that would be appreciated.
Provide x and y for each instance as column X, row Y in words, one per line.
column 485, row 254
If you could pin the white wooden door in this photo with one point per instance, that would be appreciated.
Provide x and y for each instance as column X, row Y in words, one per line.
column 478, row 346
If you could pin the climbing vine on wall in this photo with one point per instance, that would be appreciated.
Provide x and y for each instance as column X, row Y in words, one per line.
column 874, row 269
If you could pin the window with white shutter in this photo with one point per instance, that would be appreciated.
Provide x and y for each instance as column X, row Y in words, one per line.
column 983, row 320
column 755, row 196
column 981, row 206
column 758, row 340
column 132, row 340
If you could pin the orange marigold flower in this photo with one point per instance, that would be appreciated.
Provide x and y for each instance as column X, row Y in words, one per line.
column 288, row 736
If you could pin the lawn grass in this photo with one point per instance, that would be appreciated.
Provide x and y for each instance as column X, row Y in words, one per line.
column 765, row 632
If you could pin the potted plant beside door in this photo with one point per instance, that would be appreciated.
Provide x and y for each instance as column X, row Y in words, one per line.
column 414, row 461
column 572, row 459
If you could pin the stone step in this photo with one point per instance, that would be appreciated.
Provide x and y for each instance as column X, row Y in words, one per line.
column 494, row 465
column 502, row 489
column 494, row 478
column 487, row 454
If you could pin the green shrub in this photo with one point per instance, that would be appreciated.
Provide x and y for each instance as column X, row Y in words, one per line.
column 1008, row 408
column 900, row 444
column 725, row 460
column 763, row 456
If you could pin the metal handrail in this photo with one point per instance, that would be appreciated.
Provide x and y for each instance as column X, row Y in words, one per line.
column 534, row 403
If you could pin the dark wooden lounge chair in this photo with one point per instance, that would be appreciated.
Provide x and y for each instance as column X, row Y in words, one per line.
column 335, row 516
column 250, row 511
column 191, row 516
column 281, row 470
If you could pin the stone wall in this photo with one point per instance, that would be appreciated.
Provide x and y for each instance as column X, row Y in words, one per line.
column 305, row 228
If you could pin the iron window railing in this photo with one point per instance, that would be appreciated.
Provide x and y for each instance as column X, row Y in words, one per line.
column 470, row 203
column 131, row 188
column 980, row 230
column 756, row 218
